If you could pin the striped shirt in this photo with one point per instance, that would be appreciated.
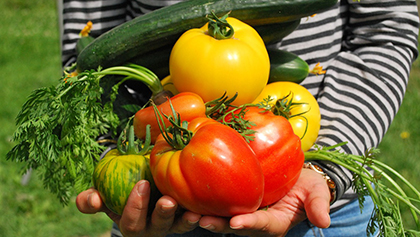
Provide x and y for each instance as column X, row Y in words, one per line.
column 367, row 48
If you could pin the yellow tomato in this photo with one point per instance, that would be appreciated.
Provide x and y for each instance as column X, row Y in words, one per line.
column 168, row 85
column 210, row 67
column 307, row 125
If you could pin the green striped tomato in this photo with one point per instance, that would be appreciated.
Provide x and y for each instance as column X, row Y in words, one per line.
column 115, row 176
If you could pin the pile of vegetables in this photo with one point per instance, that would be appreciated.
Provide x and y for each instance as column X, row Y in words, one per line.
column 229, row 137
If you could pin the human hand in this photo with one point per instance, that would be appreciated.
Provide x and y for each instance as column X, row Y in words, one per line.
column 309, row 198
column 134, row 220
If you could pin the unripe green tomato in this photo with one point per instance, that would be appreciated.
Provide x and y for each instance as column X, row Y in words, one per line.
column 115, row 176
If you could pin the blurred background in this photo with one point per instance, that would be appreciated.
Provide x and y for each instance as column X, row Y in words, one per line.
column 30, row 58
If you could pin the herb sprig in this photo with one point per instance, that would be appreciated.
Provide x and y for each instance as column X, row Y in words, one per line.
column 58, row 127
column 386, row 198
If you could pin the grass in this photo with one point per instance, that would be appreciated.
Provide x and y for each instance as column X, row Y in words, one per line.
column 30, row 58
column 400, row 147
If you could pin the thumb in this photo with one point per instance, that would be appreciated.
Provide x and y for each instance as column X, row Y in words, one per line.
column 317, row 205
column 318, row 214
column 89, row 201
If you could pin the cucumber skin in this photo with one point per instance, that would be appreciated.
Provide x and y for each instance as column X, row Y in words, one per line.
column 286, row 66
column 164, row 26
column 83, row 42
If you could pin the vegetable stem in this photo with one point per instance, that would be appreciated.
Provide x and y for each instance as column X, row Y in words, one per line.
column 137, row 72
column 177, row 135
column 363, row 180
column 219, row 28
column 127, row 144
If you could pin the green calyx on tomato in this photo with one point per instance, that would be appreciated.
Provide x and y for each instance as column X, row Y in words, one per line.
column 235, row 118
column 116, row 174
column 304, row 115
column 189, row 106
column 219, row 28
column 127, row 144
column 284, row 106
column 176, row 134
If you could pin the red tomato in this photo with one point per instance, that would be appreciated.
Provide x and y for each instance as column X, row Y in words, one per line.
column 216, row 173
column 308, row 124
column 279, row 151
column 189, row 105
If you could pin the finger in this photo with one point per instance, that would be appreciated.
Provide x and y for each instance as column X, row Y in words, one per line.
column 262, row 222
column 215, row 224
column 134, row 216
column 89, row 201
column 163, row 216
column 187, row 222
column 317, row 206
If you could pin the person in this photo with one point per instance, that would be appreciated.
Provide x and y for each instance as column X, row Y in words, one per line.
column 367, row 48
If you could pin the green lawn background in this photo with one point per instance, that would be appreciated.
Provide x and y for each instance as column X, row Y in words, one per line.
column 30, row 58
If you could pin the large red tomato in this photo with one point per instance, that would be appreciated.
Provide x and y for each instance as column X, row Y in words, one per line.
column 279, row 151
column 216, row 173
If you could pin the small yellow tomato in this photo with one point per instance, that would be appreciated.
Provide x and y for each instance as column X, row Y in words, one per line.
column 210, row 67
column 168, row 85
column 307, row 125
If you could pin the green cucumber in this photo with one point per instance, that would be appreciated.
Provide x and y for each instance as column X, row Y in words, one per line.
column 85, row 38
column 286, row 66
column 164, row 26
column 82, row 42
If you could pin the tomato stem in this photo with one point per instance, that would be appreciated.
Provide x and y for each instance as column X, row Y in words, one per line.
column 216, row 108
column 224, row 112
column 219, row 28
column 177, row 135
column 130, row 146
column 283, row 107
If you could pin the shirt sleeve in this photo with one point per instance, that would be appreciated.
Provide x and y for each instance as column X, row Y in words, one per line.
column 365, row 83
column 104, row 14
column 367, row 48
column 75, row 14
